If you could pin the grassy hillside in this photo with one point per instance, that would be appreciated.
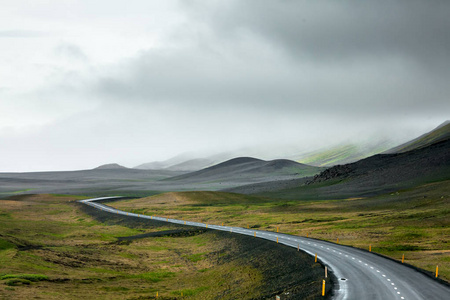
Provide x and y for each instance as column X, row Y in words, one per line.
column 54, row 248
column 413, row 222
column 341, row 154
column 373, row 176
column 441, row 133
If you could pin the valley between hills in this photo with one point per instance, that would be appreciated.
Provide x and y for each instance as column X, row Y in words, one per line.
column 395, row 203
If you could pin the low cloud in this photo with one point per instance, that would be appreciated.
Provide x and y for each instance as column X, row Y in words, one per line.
column 236, row 74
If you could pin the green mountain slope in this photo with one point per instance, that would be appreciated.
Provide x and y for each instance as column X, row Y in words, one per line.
column 440, row 133
column 342, row 154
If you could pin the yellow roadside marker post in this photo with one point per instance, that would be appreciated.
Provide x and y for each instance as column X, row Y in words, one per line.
column 306, row 234
column 255, row 234
column 248, row 226
column 222, row 223
column 337, row 241
column 437, row 271
column 315, row 260
column 403, row 258
column 156, row 294
column 206, row 225
column 370, row 248
column 323, row 287
column 277, row 229
column 277, row 240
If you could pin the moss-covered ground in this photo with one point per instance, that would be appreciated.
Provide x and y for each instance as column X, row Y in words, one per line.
column 414, row 223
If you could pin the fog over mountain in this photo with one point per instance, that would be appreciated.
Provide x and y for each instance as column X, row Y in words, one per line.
column 89, row 83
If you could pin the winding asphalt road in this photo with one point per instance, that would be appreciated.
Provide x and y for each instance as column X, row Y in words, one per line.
column 361, row 274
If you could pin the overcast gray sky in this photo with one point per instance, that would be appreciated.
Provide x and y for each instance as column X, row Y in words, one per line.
column 84, row 83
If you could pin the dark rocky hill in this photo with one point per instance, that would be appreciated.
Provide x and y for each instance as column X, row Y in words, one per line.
column 386, row 172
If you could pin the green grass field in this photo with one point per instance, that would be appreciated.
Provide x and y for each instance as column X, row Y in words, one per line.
column 51, row 249
column 412, row 222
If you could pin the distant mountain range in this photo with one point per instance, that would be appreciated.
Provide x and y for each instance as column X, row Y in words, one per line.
column 427, row 160
column 424, row 159
column 110, row 167
column 249, row 168
column 184, row 162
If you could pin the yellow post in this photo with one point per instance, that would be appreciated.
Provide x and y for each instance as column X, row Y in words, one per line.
column 437, row 271
column 306, row 234
column 323, row 287
column 248, row 226
column 255, row 234
column 156, row 294
column 337, row 241
column 315, row 260
column 403, row 258
column 277, row 240
column 370, row 248
column 151, row 217
column 206, row 225
column 222, row 223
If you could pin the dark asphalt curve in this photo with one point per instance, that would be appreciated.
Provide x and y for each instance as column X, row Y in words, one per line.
column 361, row 274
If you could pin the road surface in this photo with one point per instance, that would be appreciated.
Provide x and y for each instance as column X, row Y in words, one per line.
column 361, row 274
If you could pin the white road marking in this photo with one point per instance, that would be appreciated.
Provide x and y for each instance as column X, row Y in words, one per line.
column 238, row 230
